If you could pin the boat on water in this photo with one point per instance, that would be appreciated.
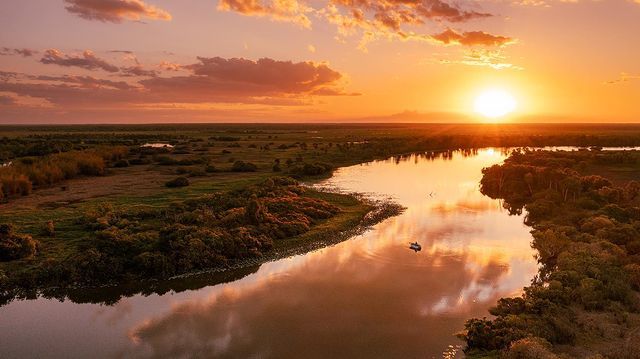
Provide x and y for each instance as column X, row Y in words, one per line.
column 415, row 246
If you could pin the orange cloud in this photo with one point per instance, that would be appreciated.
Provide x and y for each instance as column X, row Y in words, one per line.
column 170, row 66
column 471, row 38
column 247, row 81
column 372, row 19
column 279, row 10
column 115, row 10
column 88, row 60
column 211, row 80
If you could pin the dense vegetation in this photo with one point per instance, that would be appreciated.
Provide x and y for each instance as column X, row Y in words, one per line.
column 19, row 178
column 212, row 231
column 585, row 300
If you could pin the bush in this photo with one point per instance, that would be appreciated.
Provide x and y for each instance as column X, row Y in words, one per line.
column 240, row 166
column 121, row 163
column 139, row 161
column 210, row 169
column 14, row 245
column 530, row 348
column 311, row 169
column 177, row 182
column 49, row 229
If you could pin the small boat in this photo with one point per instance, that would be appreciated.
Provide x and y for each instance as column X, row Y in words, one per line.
column 415, row 246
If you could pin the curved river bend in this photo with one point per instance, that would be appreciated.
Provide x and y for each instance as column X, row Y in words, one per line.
column 370, row 296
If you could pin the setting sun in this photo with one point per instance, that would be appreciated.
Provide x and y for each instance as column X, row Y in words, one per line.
column 494, row 103
column 196, row 170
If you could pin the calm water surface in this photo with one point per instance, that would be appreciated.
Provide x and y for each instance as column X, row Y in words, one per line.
column 370, row 296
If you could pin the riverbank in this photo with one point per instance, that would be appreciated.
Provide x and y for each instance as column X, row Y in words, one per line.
column 583, row 208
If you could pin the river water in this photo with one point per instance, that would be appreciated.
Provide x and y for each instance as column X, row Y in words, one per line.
column 370, row 296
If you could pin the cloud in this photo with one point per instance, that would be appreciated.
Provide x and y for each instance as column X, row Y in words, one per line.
column 471, row 38
column 7, row 100
column 240, row 80
column 285, row 76
column 170, row 66
column 372, row 19
column 624, row 77
column 209, row 81
column 86, row 82
column 69, row 92
column 483, row 57
column 88, row 60
column 115, row 10
column 6, row 51
column 138, row 70
column 278, row 10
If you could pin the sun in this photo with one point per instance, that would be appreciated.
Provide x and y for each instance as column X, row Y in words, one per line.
column 494, row 103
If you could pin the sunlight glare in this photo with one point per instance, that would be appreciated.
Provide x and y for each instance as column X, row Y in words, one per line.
column 494, row 103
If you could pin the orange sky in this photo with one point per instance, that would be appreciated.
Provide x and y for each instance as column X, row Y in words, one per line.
column 131, row 61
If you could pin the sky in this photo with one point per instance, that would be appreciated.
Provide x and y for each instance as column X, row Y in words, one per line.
column 152, row 61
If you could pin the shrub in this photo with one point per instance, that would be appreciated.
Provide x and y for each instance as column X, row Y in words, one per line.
column 14, row 245
column 177, row 182
column 139, row 161
column 240, row 166
column 49, row 229
column 210, row 169
column 121, row 163
column 530, row 348
column 311, row 169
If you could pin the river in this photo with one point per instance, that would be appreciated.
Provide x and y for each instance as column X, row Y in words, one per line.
column 370, row 296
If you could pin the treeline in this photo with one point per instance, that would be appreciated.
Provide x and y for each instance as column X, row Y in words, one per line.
column 22, row 176
column 586, row 231
column 213, row 231
column 13, row 148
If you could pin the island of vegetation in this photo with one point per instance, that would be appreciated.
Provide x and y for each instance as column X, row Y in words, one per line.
column 584, row 208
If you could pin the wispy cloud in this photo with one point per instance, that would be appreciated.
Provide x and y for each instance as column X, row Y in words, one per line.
column 624, row 77
column 494, row 59
column 88, row 60
column 7, row 51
